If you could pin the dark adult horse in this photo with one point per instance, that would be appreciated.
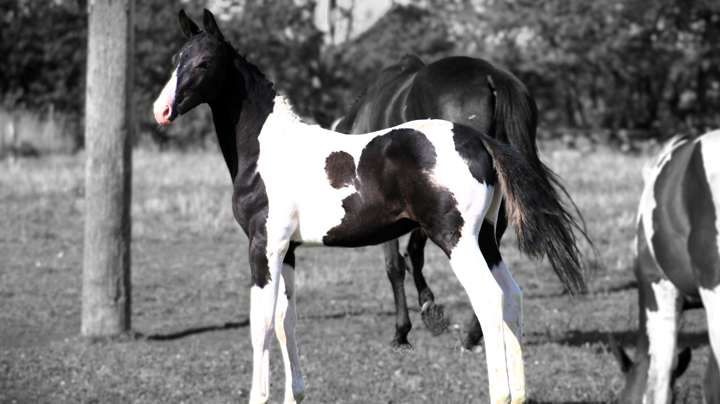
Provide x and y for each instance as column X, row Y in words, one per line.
column 298, row 185
column 677, row 266
column 467, row 91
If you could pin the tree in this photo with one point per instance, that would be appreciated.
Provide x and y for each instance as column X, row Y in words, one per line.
column 108, row 131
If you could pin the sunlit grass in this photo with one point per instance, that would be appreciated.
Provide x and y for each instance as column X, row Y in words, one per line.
column 190, row 269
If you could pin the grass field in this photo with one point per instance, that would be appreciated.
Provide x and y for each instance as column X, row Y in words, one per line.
column 191, row 299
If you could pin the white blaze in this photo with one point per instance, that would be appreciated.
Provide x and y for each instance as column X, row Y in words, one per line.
column 165, row 99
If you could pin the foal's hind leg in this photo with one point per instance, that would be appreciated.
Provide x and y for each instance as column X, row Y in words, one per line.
column 432, row 314
column 512, row 331
column 487, row 299
column 285, row 321
column 395, row 265
column 475, row 332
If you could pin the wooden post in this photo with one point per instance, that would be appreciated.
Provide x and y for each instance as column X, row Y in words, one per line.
column 108, row 140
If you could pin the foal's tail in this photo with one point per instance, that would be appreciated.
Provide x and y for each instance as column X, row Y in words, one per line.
column 542, row 227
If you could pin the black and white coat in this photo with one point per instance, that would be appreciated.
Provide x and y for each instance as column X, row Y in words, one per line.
column 299, row 185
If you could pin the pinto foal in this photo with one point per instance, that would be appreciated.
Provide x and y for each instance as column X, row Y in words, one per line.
column 300, row 185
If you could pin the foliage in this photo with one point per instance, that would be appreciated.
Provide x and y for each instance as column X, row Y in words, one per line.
column 623, row 66
column 43, row 64
column 634, row 64
column 351, row 67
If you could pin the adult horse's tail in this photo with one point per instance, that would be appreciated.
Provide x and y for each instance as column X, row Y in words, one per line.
column 531, row 204
column 515, row 123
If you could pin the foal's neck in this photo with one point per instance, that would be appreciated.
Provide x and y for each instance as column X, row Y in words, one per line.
column 239, row 113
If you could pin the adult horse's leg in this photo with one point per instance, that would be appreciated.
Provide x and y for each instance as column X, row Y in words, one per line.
column 262, row 312
column 711, row 301
column 432, row 314
column 285, row 321
column 661, row 327
column 395, row 265
column 711, row 389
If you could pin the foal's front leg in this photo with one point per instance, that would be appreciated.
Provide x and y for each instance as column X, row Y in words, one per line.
column 262, row 311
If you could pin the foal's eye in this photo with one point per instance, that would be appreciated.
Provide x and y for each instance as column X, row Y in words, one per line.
column 204, row 65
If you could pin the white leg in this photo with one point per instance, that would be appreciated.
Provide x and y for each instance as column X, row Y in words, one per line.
column 662, row 335
column 711, row 301
column 512, row 316
column 486, row 297
column 262, row 311
column 285, row 321
column 512, row 331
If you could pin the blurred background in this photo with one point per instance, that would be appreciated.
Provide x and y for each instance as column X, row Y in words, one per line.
column 617, row 71
column 608, row 76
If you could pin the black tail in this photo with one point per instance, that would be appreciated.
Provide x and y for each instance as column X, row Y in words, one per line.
column 515, row 123
column 532, row 206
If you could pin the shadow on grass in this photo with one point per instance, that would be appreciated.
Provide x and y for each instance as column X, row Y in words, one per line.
column 231, row 325
column 565, row 402
column 693, row 340
column 600, row 290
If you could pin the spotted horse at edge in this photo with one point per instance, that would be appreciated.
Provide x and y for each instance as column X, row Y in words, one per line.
column 297, row 185
column 677, row 266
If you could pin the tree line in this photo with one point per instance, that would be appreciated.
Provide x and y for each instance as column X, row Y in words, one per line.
column 643, row 68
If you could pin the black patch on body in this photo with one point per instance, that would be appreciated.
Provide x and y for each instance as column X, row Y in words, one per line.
column 469, row 145
column 290, row 254
column 340, row 169
column 671, row 223
column 395, row 194
column 243, row 102
column 488, row 245
column 702, row 241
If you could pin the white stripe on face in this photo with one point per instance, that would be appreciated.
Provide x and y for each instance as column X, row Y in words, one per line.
column 163, row 105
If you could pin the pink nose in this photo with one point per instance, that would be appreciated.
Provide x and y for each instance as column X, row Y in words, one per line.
column 162, row 115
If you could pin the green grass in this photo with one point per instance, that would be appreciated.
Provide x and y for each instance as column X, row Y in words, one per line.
column 190, row 271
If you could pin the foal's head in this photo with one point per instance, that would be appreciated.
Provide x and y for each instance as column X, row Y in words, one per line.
column 200, row 70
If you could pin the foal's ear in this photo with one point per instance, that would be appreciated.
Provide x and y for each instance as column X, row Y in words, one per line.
column 211, row 25
column 189, row 28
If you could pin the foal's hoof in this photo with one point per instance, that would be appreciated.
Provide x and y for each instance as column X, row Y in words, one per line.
column 433, row 316
column 402, row 348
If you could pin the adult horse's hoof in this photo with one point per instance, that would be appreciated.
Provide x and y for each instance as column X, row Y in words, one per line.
column 402, row 348
column 433, row 315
